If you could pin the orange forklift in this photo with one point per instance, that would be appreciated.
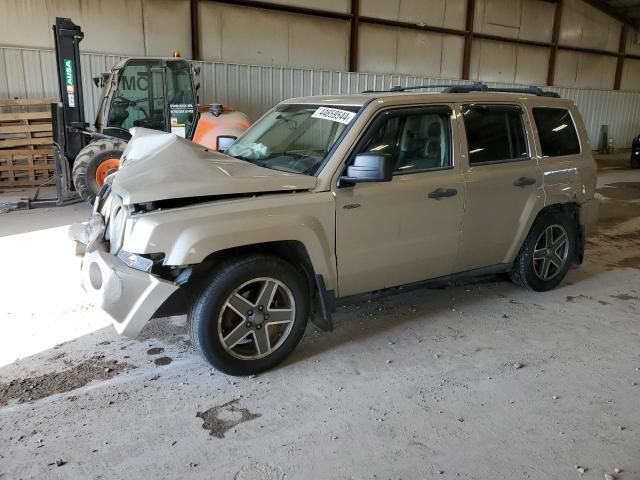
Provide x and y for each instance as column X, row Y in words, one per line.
column 156, row 93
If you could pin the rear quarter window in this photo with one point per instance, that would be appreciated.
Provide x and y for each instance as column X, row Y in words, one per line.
column 557, row 132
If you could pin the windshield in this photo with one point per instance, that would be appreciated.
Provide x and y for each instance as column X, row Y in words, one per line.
column 294, row 138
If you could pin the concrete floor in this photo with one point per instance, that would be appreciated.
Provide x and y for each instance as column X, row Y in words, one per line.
column 415, row 385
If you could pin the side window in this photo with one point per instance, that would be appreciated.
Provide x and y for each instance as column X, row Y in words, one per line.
column 416, row 140
column 557, row 132
column 139, row 97
column 494, row 133
column 180, row 96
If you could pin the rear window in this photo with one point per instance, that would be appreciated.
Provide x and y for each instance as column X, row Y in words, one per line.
column 494, row 133
column 557, row 132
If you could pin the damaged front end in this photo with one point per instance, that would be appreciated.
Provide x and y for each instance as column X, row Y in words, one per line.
column 127, row 267
column 121, row 283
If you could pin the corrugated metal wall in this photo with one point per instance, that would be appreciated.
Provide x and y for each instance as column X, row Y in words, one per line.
column 30, row 73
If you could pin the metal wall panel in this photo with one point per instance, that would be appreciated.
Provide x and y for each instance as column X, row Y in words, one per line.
column 633, row 41
column 255, row 89
column 130, row 27
column 388, row 49
column 585, row 70
column 167, row 27
column 630, row 75
column 273, row 38
column 585, row 26
column 525, row 19
column 494, row 61
column 30, row 73
column 441, row 13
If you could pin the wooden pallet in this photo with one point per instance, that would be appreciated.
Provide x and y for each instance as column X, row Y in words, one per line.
column 26, row 153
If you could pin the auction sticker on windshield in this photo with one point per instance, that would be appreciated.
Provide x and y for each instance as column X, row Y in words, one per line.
column 334, row 114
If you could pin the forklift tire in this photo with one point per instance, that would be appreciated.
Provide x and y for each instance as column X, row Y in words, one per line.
column 92, row 165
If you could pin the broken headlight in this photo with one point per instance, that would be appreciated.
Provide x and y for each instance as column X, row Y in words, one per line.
column 139, row 262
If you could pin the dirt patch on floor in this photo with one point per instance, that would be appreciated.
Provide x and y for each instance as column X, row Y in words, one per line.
column 218, row 420
column 572, row 299
column 172, row 330
column 33, row 388
column 622, row 237
column 625, row 297
column 631, row 262
column 621, row 191
column 162, row 361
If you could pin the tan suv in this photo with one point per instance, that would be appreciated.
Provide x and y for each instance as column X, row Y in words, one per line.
column 328, row 197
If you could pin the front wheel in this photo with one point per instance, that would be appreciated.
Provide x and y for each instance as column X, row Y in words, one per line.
column 635, row 161
column 93, row 164
column 547, row 253
column 251, row 315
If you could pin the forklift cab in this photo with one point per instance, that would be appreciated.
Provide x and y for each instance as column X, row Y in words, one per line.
column 156, row 93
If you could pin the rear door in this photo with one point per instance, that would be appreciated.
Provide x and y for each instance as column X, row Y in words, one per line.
column 502, row 180
column 408, row 229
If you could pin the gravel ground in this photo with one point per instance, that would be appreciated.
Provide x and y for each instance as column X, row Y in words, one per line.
column 472, row 380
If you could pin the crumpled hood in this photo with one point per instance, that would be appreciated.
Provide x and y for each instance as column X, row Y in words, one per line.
column 160, row 166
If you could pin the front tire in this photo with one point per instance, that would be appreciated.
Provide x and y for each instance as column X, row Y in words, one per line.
column 547, row 253
column 92, row 165
column 635, row 162
column 251, row 314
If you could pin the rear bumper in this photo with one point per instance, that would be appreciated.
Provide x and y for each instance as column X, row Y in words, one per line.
column 130, row 297
column 589, row 216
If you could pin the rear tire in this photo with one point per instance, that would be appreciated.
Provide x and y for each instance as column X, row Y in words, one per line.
column 88, row 164
column 251, row 314
column 544, row 259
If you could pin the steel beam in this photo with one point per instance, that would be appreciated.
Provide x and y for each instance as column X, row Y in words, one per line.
column 354, row 33
column 195, row 31
column 555, row 36
column 468, row 39
column 621, row 50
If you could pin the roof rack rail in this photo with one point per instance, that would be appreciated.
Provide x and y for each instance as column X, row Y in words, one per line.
column 398, row 88
column 473, row 87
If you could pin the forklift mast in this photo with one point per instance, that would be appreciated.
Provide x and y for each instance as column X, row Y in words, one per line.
column 67, row 37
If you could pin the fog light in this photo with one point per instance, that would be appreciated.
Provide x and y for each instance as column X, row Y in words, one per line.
column 136, row 261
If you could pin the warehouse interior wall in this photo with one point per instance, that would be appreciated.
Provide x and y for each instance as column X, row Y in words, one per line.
column 503, row 41
column 123, row 27
column 234, row 33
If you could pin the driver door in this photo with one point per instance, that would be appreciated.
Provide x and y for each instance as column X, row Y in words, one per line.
column 402, row 231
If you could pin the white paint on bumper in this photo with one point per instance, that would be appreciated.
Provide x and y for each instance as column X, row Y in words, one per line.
column 129, row 296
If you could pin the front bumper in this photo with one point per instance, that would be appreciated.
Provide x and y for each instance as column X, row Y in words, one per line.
column 130, row 297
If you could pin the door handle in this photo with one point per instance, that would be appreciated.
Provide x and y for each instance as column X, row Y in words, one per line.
column 439, row 193
column 524, row 182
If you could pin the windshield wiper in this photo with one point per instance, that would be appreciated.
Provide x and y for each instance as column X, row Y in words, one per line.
column 250, row 160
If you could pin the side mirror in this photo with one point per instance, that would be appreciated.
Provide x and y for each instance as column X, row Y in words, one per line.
column 101, row 80
column 370, row 167
column 224, row 142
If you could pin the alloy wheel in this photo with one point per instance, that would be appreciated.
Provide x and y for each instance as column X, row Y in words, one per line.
column 550, row 252
column 256, row 319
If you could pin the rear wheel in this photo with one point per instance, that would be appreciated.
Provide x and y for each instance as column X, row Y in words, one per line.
column 93, row 164
column 251, row 314
column 547, row 253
